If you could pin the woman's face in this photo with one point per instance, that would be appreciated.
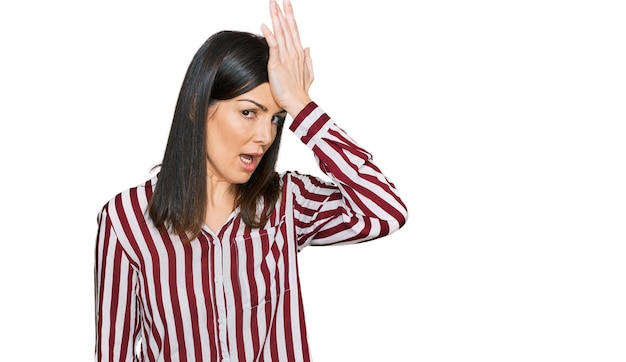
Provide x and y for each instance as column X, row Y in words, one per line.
column 238, row 132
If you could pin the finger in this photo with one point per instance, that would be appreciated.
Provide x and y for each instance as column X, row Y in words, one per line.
column 292, row 41
column 309, row 64
column 290, row 46
column 291, row 24
column 277, row 26
column 267, row 33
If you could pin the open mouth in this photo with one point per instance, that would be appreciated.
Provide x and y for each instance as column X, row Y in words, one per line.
column 247, row 159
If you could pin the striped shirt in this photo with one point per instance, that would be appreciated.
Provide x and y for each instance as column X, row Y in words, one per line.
column 234, row 294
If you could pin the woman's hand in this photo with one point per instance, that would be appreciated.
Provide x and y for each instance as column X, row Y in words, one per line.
column 290, row 67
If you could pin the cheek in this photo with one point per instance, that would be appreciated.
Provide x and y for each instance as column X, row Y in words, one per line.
column 214, row 140
column 276, row 134
column 218, row 131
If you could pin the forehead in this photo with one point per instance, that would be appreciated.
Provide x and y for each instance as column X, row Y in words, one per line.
column 261, row 96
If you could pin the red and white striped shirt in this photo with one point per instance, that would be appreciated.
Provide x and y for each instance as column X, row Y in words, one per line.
column 234, row 295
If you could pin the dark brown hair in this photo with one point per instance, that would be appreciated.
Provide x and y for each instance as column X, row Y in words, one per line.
column 228, row 64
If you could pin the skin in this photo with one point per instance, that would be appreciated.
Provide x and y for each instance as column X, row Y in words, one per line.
column 240, row 130
column 290, row 67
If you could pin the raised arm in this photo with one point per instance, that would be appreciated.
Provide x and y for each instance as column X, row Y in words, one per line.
column 359, row 204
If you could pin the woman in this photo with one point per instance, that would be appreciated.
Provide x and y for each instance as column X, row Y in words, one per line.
column 199, row 263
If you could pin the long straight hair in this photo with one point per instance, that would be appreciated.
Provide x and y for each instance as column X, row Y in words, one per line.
column 228, row 64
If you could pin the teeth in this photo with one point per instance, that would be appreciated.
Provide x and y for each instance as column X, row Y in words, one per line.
column 246, row 158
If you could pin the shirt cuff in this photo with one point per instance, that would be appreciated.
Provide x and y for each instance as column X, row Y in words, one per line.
column 310, row 121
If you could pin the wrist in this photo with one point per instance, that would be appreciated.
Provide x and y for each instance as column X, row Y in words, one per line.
column 296, row 106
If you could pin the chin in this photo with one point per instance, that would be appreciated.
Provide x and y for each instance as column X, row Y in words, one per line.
column 241, row 180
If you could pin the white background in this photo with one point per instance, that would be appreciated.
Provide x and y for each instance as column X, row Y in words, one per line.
column 502, row 123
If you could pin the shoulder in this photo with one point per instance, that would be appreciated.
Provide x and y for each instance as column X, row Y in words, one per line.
column 130, row 201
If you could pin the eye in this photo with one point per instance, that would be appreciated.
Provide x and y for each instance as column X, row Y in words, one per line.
column 248, row 113
column 278, row 119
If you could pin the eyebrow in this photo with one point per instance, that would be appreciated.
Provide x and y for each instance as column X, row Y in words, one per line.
column 260, row 105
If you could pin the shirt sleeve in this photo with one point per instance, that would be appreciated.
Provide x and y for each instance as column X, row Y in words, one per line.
column 115, row 298
column 358, row 204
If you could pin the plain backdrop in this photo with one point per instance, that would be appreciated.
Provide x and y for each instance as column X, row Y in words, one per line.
column 502, row 123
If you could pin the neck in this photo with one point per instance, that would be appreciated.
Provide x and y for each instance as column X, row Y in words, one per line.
column 220, row 203
column 220, row 193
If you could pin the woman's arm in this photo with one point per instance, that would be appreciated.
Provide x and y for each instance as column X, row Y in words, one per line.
column 359, row 204
column 115, row 298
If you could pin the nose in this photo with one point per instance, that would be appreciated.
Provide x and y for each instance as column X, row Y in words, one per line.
column 265, row 132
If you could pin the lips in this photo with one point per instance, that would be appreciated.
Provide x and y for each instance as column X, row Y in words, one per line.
column 249, row 161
